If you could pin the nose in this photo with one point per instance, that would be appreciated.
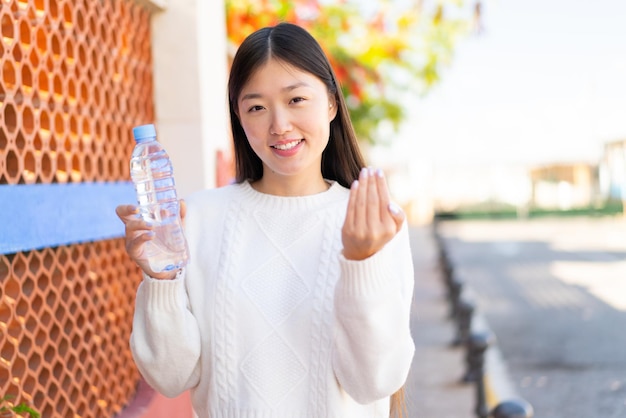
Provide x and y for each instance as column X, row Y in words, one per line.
column 280, row 122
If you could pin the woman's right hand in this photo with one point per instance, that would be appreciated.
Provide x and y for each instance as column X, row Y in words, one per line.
column 371, row 219
column 138, row 232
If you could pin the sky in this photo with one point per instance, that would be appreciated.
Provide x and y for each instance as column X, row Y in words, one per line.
column 544, row 82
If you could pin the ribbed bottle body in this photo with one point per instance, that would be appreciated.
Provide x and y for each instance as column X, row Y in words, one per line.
column 152, row 173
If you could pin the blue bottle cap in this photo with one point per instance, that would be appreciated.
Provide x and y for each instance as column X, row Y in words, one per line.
column 144, row 132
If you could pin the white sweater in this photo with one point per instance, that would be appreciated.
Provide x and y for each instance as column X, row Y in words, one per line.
column 269, row 319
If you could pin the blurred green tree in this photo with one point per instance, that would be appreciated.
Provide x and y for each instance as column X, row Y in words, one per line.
column 381, row 50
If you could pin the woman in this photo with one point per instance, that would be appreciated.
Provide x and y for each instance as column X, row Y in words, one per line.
column 297, row 300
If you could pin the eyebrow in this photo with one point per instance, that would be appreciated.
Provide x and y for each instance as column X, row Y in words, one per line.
column 284, row 89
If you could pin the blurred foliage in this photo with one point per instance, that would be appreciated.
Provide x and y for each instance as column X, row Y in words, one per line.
column 381, row 50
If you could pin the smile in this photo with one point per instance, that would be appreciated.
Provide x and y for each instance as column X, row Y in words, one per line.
column 287, row 146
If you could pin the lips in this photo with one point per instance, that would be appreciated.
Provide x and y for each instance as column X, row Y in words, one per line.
column 287, row 145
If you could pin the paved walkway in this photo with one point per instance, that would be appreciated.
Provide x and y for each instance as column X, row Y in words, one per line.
column 434, row 388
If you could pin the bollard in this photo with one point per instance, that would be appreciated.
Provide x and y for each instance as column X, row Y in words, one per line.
column 477, row 345
column 445, row 264
column 454, row 285
column 513, row 408
column 464, row 314
column 455, row 288
column 448, row 272
column 444, row 259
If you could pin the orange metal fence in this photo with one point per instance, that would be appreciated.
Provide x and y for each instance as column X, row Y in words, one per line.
column 65, row 316
column 75, row 77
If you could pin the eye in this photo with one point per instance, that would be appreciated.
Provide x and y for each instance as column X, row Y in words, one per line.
column 298, row 99
column 255, row 108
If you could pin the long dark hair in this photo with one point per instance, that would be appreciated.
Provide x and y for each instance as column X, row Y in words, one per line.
column 341, row 160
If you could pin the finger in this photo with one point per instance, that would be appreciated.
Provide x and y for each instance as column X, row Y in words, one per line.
column 126, row 212
column 360, row 209
column 135, row 246
column 140, row 239
column 397, row 214
column 373, row 201
column 383, row 194
column 137, row 224
column 183, row 209
column 350, row 209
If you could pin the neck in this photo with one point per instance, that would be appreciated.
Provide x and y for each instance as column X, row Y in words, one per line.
column 290, row 187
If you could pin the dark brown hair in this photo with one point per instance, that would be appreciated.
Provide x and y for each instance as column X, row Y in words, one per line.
column 341, row 160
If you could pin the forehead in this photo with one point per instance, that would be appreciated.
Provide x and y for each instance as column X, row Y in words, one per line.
column 277, row 74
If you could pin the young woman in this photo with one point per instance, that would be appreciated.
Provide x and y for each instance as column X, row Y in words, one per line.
column 297, row 299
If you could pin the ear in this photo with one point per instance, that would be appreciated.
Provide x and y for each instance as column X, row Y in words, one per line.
column 332, row 108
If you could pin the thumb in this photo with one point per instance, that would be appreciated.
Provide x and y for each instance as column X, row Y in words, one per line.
column 183, row 210
column 397, row 214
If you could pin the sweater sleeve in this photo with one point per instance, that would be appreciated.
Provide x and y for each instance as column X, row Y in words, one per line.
column 373, row 347
column 165, row 340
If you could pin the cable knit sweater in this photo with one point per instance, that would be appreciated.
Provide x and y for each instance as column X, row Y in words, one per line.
column 269, row 319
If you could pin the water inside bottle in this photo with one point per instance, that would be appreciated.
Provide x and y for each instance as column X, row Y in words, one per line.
column 158, row 205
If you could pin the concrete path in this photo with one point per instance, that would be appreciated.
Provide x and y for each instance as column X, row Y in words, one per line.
column 434, row 388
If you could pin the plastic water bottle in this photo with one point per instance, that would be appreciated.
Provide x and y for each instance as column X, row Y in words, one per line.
column 152, row 173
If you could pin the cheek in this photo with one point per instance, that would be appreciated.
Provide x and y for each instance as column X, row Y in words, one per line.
column 325, row 128
column 252, row 130
column 254, row 142
column 318, row 122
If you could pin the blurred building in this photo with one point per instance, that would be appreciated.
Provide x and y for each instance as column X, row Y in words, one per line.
column 564, row 186
column 498, row 188
column 612, row 171
column 480, row 188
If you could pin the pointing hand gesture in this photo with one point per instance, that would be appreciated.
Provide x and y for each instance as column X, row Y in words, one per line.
column 138, row 232
column 371, row 219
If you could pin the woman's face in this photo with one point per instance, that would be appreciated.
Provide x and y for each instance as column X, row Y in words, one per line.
column 286, row 114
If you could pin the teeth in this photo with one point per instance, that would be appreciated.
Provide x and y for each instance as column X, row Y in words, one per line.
column 287, row 146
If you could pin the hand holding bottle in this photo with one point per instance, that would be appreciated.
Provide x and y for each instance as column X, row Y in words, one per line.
column 138, row 232
column 372, row 219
